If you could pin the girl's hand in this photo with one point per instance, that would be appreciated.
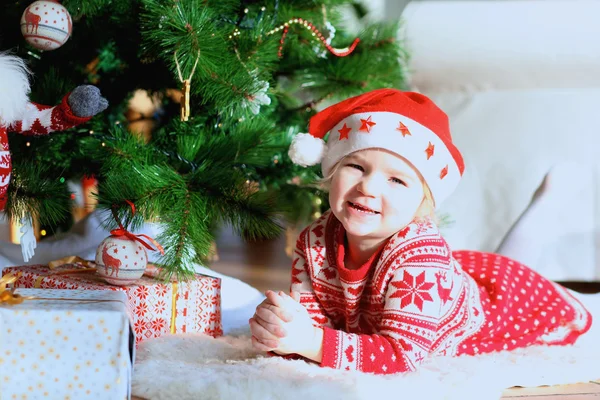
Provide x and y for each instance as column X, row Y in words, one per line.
column 298, row 332
column 266, row 324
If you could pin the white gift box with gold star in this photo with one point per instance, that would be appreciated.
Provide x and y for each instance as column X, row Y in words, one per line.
column 66, row 344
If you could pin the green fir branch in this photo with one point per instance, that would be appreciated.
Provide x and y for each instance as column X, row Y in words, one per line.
column 33, row 192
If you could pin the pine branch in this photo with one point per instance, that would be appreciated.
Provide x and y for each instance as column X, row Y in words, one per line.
column 44, row 199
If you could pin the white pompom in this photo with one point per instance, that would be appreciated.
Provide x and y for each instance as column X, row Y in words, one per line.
column 306, row 150
column 14, row 88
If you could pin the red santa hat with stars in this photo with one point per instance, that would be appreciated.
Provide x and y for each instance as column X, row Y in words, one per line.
column 406, row 123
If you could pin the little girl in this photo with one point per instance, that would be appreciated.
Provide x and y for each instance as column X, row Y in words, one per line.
column 374, row 286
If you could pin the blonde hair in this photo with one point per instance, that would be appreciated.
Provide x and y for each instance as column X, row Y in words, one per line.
column 325, row 182
column 426, row 208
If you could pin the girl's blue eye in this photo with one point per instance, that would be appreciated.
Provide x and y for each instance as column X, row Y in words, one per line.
column 396, row 180
column 356, row 166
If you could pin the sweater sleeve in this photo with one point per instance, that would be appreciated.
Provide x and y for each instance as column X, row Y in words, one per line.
column 408, row 328
column 302, row 283
column 41, row 120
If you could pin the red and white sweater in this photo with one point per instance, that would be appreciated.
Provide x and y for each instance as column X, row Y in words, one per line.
column 37, row 120
column 416, row 298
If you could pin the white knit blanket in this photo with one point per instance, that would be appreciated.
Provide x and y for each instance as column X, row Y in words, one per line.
column 200, row 367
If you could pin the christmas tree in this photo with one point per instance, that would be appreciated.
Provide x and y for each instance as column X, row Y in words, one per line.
column 233, row 81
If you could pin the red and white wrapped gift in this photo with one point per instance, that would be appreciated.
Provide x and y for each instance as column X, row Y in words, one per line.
column 157, row 308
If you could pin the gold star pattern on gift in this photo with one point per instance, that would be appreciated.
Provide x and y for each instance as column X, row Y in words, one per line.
column 403, row 129
column 344, row 131
column 366, row 125
column 429, row 150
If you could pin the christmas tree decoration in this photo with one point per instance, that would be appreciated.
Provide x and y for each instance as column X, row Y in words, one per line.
column 46, row 24
column 260, row 98
column 121, row 258
column 326, row 41
column 82, row 196
column 187, row 83
column 144, row 111
column 28, row 240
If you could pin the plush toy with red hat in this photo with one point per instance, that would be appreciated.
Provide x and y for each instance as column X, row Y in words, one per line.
column 18, row 114
column 406, row 123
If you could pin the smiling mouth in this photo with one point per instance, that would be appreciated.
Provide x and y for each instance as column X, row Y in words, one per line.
column 362, row 208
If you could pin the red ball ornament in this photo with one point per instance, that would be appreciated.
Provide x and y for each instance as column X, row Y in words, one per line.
column 46, row 24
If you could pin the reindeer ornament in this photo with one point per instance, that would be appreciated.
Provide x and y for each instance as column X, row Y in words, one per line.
column 121, row 258
column 46, row 24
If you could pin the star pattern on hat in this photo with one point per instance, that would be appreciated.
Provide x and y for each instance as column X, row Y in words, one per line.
column 344, row 131
column 429, row 150
column 366, row 125
column 403, row 129
column 444, row 172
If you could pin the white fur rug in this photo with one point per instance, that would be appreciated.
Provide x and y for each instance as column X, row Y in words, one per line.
column 196, row 366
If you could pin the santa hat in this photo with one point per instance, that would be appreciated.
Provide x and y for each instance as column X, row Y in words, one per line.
column 406, row 123
column 14, row 88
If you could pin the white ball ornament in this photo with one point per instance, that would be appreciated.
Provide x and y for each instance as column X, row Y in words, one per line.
column 46, row 24
column 120, row 260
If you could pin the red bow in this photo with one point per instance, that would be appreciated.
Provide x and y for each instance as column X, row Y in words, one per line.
column 121, row 231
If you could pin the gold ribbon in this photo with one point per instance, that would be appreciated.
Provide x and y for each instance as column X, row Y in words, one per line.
column 88, row 266
column 173, row 306
column 8, row 296
column 38, row 281
column 71, row 260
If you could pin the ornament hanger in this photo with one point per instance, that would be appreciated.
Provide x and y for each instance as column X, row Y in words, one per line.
column 187, row 83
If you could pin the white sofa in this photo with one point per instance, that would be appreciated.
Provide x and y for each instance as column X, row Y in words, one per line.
column 520, row 81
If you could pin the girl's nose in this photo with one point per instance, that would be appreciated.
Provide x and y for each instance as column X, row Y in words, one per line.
column 370, row 186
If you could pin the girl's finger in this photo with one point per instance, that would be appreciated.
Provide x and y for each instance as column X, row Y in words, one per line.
column 260, row 332
column 274, row 298
column 275, row 315
column 275, row 327
column 264, row 303
column 290, row 303
column 258, row 345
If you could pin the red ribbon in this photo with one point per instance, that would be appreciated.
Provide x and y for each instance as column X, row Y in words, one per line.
column 121, row 231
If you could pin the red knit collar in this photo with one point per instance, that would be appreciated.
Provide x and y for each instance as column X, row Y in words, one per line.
column 341, row 248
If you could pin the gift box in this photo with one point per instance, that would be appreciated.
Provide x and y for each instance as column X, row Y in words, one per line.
column 156, row 307
column 66, row 344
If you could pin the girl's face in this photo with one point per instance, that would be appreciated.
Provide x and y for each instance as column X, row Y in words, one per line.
column 375, row 193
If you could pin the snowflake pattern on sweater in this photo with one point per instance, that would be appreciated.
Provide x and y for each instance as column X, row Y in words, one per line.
column 416, row 298
column 37, row 120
